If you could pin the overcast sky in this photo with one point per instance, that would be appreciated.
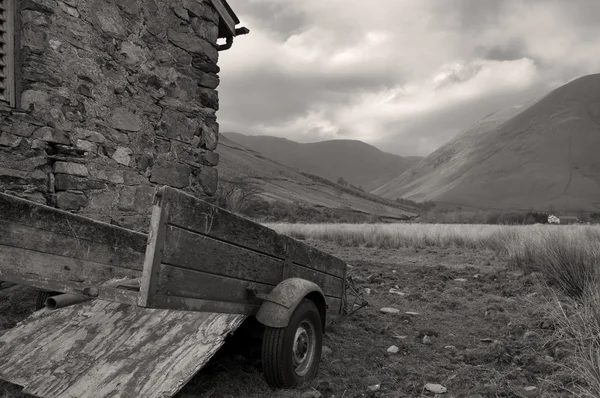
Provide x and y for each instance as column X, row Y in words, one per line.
column 403, row 75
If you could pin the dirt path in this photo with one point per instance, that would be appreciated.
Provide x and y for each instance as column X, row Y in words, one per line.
column 480, row 331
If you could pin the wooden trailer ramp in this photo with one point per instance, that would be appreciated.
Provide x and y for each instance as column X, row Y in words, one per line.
column 101, row 349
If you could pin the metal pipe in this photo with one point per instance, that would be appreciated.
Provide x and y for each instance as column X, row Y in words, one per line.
column 65, row 300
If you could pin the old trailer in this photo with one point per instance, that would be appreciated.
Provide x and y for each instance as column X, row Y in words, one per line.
column 137, row 315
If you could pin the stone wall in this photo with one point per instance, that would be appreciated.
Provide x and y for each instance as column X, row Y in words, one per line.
column 116, row 96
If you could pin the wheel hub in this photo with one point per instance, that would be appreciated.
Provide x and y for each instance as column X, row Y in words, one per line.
column 304, row 348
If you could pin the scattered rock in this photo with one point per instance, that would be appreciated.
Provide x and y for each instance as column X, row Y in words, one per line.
column 427, row 340
column 367, row 291
column 450, row 347
column 388, row 310
column 436, row 388
column 326, row 351
column 374, row 388
column 396, row 291
column 460, row 280
column 393, row 350
column 531, row 388
column 312, row 393
column 401, row 337
column 412, row 313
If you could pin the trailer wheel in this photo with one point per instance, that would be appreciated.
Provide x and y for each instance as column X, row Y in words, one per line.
column 291, row 355
column 42, row 296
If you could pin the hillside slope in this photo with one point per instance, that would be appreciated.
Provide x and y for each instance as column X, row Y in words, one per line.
column 360, row 164
column 282, row 183
column 543, row 155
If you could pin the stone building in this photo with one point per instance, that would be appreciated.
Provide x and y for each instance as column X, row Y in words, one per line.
column 101, row 100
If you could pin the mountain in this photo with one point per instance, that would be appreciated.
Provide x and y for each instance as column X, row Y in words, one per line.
column 360, row 164
column 285, row 184
column 542, row 155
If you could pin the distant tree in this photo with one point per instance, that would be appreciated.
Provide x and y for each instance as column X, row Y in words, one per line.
column 236, row 194
column 342, row 182
column 595, row 217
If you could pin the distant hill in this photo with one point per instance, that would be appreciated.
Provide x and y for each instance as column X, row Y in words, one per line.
column 285, row 184
column 543, row 155
column 360, row 164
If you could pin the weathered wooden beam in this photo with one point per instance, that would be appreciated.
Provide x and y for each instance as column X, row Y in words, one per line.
column 154, row 251
column 182, row 282
column 190, row 250
column 200, row 305
column 44, row 241
column 35, row 215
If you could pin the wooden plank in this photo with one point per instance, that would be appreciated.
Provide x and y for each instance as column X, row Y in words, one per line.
column 182, row 282
column 154, row 252
column 99, row 349
column 331, row 285
column 316, row 259
column 186, row 249
column 193, row 214
column 200, row 305
column 196, row 215
column 25, row 237
column 29, row 263
column 47, row 218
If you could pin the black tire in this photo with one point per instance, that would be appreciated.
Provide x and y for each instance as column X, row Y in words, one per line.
column 42, row 296
column 291, row 355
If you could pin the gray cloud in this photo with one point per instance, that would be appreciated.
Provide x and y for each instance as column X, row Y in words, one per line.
column 405, row 76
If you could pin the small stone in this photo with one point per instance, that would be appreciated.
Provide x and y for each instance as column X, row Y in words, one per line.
column 393, row 350
column 374, row 388
column 394, row 271
column 388, row 310
column 86, row 146
column 176, row 175
column 10, row 140
column 68, row 9
column 70, row 200
column 49, row 134
column 85, row 91
column 397, row 292
column 436, row 388
column 122, row 156
column 208, row 180
column 90, row 135
column 75, row 169
column 426, row 340
column 64, row 182
column 123, row 119
column 367, row 291
column 326, row 351
column 460, row 280
column 450, row 347
column 531, row 388
column 181, row 13
column 401, row 337
column 412, row 313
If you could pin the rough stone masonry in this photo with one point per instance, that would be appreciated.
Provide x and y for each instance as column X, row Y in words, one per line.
column 114, row 98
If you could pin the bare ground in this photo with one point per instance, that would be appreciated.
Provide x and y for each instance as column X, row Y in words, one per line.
column 488, row 333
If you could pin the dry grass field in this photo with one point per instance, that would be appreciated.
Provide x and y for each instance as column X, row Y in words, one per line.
column 485, row 311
